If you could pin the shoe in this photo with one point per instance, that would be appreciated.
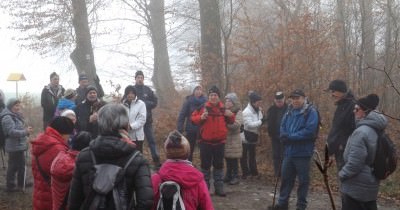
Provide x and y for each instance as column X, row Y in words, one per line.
column 277, row 207
column 234, row 181
column 219, row 190
column 227, row 179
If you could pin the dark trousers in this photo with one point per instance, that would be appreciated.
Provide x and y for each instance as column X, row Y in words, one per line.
column 277, row 150
column 139, row 145
column 248, row 160
column 211, row 155
column 16, row 166
column 349, row 203
column 192, row 137
column 149, row 134
column 232, row 165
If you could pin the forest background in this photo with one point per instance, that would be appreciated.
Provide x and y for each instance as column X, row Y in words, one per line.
column 240, row 45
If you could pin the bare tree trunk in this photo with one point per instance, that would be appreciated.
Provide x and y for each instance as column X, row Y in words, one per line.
column 389, row 57
column 210, row 52
column 341, row 37
column 367, row 45
column 83, row 56
column 162, row 78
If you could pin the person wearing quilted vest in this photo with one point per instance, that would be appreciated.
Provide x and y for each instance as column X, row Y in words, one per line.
column 212, row 119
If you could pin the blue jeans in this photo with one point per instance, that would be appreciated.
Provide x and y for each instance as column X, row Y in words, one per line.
column 149, row 134
column 292, row 167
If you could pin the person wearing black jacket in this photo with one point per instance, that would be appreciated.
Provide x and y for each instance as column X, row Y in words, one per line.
column 145, row 94
column 274, row 117
column 112, row 146
column 343, row 123
column 51, row 93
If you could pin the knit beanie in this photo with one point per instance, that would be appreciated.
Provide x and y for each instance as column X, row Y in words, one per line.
column 214, row 89
column 63, row 125
column 234, row 98
column 12, row 102
column 83, row 77
column 81, row 140
column 338, row 85
column 369, row 102
column 139, row 73
column 69, row 93
column 176, row 146
column 90, row 88
column 67, row 112
column 254, row 97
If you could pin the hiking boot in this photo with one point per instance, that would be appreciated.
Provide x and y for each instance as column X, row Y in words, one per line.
column 277, row 207
column 234, row 181
column 219, row 189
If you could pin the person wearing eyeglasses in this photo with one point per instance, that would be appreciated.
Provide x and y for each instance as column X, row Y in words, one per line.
column 359, row 186
column 343, row 123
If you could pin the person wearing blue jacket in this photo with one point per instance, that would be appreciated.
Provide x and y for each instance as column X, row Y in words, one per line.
column 297, row 134
column 194, row 101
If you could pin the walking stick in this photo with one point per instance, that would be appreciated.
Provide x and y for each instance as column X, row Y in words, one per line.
column 278, row 177
column 2, row 158
column 24, row 186
column 323, row 168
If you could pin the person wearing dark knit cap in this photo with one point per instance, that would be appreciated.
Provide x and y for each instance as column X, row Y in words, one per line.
column 86, row 112
column 16, row 136
column 359, row 186
column 44, row 149
column 144, row 93
column 343, row 123
column 274, row 118
column 212, row 118
column 252, row 120
column 51, row 93
column 177, row 168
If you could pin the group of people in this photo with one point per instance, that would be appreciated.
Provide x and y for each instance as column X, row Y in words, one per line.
column 82, row 131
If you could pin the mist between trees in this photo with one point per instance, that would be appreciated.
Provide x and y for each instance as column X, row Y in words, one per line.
column 264, row 45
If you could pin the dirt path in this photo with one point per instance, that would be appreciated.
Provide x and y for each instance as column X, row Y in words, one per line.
column 258, row 195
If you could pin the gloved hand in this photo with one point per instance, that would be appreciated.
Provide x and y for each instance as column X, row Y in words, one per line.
column 284, row 138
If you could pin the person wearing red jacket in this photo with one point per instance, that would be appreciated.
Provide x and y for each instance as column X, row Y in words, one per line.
column 44, row 149
column 62, row 168
column 177, row 168
column 212, row 119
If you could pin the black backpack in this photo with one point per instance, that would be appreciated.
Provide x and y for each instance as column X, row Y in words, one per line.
column 385, row 161
column 170, row 197
column 109, row 187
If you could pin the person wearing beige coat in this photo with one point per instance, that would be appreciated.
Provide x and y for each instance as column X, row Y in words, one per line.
column 233, row 145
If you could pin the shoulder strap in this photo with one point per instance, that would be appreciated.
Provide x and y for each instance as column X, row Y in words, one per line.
column 45, row 176
column 131, row 159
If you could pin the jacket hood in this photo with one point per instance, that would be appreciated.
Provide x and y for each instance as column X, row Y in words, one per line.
column 111, row 147
column 181, row 172
column 64, row 103
column 235, row 100
column 46, row 140
column 375, row 120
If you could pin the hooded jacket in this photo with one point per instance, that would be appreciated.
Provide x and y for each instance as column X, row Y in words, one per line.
column 194, row 190
column 45, row 148
column 299, row 127
column 233, row 145
column 63, row 104
column 49, row 101
column 343, row 124
column 113, row 150
column 356, row 175
column 189, row 106
column 14, row 130
column 137, row 118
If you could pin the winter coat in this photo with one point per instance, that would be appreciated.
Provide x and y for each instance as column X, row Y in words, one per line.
column 112, row 150
column 145, row 94
column 343, row 124
column 45, row 148
column 194, row 190
column 191, row 104
column 61, row 175
column 252, row 121
column 213, row 130
column 233, row 145
column 14, row 130
column 63, row 104
column 83, row 112
column 274, row 119
column 137, row 119
column 356, row 175
column 49, row 101
column 299, row 127
column 80, row 95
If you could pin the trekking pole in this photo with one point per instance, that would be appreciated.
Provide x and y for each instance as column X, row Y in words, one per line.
column 2, row 158
column 323, row 168
column 278, row 177
column 24, row 186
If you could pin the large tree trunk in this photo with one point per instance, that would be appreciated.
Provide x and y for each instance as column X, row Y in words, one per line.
column 341, row 38
column 162, row 78
column 83, row 56
column 210, row 52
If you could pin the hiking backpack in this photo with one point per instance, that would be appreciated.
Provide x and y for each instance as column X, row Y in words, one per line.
column 170, row 197
column 306, row 114
column 109, row 186
column 385, row 161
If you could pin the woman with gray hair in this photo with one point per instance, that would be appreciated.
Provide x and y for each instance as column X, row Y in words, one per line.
column 112, row 146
